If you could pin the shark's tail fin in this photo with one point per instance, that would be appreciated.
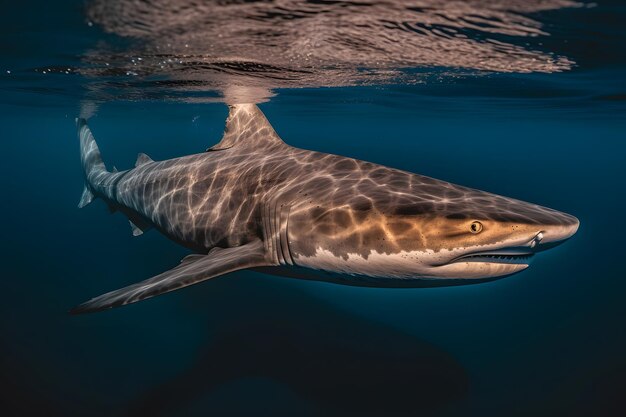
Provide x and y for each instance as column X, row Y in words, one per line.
column 90, row 159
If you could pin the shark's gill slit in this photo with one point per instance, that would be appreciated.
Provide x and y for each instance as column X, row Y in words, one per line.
column 284, row 234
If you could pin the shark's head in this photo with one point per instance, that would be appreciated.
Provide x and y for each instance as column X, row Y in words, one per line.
column 431, row 229
column 490, row 242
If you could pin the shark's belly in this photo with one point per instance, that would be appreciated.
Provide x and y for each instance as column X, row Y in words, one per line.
column 359, row 280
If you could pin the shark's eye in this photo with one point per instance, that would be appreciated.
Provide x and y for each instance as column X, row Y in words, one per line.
column 476, row 227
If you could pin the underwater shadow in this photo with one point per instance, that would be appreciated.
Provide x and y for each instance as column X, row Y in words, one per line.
column 337, row 362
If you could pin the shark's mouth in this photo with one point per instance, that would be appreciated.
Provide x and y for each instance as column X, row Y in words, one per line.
column 502, row 256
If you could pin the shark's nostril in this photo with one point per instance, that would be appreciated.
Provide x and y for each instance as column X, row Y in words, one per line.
column 536, row 240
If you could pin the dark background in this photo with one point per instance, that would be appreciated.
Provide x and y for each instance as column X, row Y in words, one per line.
column 549, row 341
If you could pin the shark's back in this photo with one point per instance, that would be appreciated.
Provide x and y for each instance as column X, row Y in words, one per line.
column 205, row 200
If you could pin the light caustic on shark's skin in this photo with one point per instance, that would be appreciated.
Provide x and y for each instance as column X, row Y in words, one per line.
column 254, row 202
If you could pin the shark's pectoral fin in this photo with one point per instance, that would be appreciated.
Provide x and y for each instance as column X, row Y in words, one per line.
column 191, row 270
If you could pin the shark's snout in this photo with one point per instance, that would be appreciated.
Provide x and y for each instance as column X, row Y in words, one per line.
column 553, row 235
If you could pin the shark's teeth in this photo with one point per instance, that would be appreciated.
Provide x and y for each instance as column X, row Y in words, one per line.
column 521, row 259
column 517, row 256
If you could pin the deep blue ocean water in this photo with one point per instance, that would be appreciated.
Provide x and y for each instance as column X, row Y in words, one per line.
column 549, row 341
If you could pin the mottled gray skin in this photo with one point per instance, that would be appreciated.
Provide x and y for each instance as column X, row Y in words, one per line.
column 364, row 223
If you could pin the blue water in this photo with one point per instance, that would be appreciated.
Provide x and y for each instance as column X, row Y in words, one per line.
column 549, row 341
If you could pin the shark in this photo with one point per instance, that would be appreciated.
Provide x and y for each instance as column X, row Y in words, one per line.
column 254, row 202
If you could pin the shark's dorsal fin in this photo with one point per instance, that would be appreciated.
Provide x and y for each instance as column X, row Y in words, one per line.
column 247, row 126
column 142, row 159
